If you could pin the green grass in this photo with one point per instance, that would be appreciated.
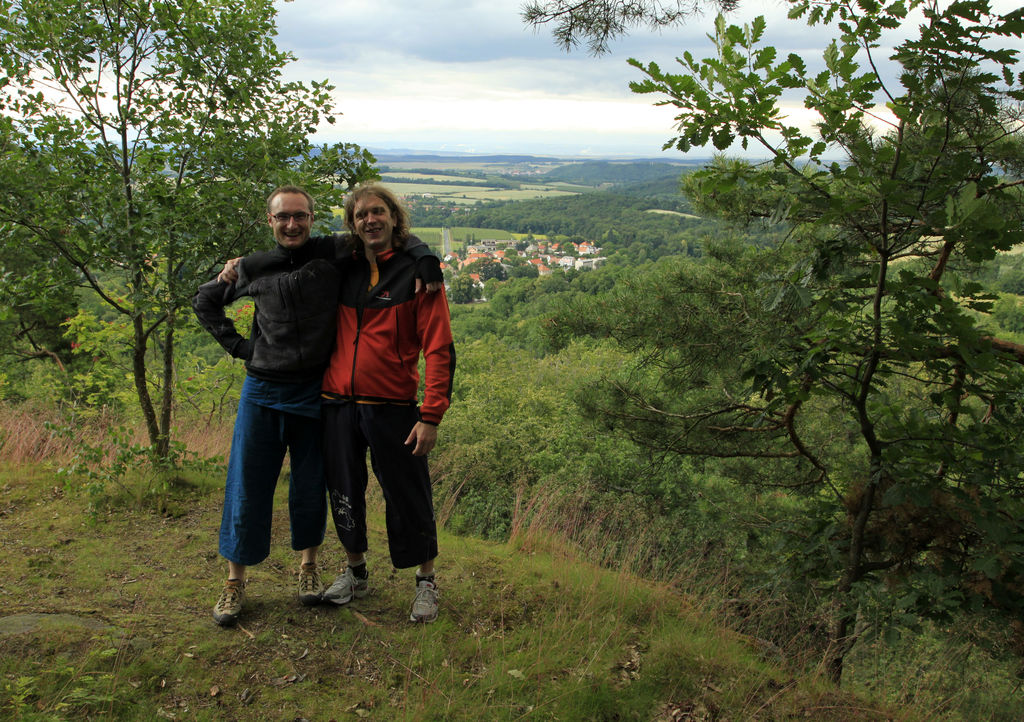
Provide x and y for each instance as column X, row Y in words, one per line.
column 526, row 631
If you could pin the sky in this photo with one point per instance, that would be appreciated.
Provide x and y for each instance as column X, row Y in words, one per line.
column 470, row 76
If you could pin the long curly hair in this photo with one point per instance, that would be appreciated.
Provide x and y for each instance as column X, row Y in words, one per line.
column 398, row 213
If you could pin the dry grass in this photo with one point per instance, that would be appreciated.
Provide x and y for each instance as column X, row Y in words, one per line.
column 27, row 437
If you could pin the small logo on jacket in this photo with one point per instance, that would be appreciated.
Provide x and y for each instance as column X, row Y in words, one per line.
column 384, row 296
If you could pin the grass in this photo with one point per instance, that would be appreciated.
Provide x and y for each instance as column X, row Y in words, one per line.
column 110, row 616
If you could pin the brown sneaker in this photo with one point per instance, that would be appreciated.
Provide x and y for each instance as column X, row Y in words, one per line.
column 229, row 606
column 311, row 589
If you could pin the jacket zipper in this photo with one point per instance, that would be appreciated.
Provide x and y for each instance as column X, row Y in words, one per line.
column 360, row 305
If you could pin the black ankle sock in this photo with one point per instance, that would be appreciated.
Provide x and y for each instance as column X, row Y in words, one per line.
column 428, row 578
column 359, row 570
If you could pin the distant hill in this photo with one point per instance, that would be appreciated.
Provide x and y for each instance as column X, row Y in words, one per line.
column 393, row 157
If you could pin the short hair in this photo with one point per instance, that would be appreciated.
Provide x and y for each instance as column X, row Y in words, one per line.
column 290, row 189
column 400, row 215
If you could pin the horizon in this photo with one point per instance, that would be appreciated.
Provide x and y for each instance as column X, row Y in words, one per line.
column 394, row 154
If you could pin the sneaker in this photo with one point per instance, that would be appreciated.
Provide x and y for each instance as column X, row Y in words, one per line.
column 345, row 587
column 311, row 589
column 229, row 606
column 424, row 606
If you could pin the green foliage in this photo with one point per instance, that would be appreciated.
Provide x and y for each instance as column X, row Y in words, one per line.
column 123, row 471
column 1008, row 312
column 103, row 377
column 464, row 289
column 78, row 691
column 30, row 325
column 516, row 456
column 487, row 269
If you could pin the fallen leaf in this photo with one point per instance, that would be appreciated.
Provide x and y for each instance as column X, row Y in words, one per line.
column 304, row 653
column 214, row 691
column 287, row 679
column 516, row 673
column 364, row 620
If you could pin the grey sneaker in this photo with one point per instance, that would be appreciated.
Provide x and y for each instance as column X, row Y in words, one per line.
column 345, row 587
column 311, row 589
column 229, row 606
column 424, row 606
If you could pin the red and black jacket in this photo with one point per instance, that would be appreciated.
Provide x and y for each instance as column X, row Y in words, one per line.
column 380, row 334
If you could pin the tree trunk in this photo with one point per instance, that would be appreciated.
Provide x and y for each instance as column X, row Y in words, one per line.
column 841, row 639
column 141, row 385
column 163, row 446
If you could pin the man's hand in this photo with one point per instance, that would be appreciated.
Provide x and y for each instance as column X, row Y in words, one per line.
column 424, row 436
column 229, row 274
column 432, row 287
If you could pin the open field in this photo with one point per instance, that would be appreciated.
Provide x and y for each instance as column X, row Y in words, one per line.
column 477, row 193
column 672, row 213
column 411, row 177
column 462, row 235
column 535, row 165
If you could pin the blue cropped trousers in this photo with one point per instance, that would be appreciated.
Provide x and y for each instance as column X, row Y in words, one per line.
column 261, row 438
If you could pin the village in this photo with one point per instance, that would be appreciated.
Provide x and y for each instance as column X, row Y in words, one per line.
column 508, row 254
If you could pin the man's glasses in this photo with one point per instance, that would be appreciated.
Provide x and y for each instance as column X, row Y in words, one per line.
column 299, row 217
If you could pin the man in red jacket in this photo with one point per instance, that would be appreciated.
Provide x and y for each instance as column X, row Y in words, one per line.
column 370, row 394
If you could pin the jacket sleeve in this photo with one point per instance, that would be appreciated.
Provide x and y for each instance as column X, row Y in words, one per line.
column 435, row 334
column 428, row 266
column 209, row 304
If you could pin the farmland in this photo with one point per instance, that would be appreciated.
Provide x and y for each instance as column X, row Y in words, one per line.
column 472, row 189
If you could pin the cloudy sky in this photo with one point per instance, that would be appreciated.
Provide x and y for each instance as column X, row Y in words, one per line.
column 468, row 75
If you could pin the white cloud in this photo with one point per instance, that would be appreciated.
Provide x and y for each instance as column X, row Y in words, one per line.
column 463, row 74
